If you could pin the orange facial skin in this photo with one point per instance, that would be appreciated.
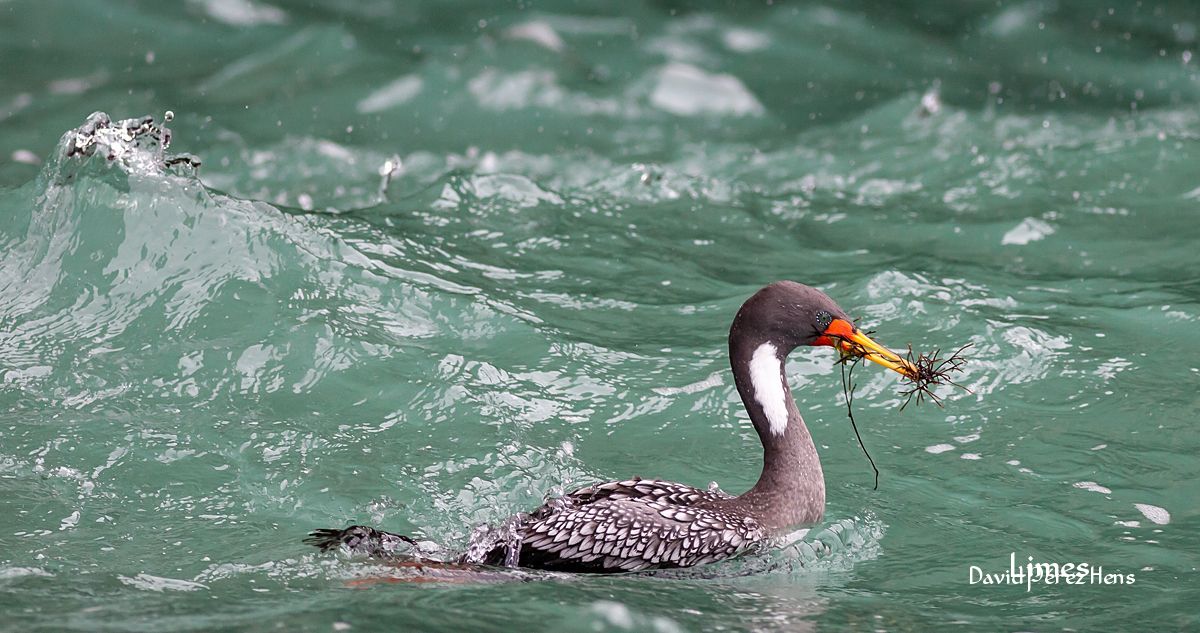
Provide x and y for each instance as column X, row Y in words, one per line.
column 843, row 336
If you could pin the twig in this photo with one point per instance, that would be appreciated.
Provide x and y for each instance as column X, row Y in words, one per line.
column 848, row 391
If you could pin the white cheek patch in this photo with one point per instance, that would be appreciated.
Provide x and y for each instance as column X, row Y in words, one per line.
column 765, row 375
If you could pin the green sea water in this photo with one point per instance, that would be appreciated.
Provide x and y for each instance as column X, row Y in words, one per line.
column 198, row 369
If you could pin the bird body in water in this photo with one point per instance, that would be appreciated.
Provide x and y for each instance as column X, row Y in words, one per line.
column 640, row 524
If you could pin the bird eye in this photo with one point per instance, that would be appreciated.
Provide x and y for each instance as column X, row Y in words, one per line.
column 823, row 320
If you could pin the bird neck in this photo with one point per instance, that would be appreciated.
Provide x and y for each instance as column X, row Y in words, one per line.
column 791, row 489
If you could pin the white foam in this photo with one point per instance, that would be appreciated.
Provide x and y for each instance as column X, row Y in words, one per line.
column 393, row 94
column 714, row 380
column 1092, row 486
column 242, row 12
column 1029, row 230
column 157, row 583
column 26, row 157
column 685, row 90
column 1154, row 513
column 939, row 448
column 616, row 613
column 70, row 521
column 538, row 32
column 7, row 573
column 741, row 40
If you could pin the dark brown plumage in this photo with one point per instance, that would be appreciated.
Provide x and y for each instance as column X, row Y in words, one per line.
column 639, row 524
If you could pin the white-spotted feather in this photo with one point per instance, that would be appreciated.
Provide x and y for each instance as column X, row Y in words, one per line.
column 634, row 525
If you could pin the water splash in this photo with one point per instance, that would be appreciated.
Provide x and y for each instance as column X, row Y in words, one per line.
column 480, row 543
column 507, row 538
column 512, row 540
column 138, row 145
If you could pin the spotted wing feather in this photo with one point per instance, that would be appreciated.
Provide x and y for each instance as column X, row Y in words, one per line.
column 634, row 525
column 648, row 489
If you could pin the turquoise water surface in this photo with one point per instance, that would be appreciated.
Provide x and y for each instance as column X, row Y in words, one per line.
column 442, row 259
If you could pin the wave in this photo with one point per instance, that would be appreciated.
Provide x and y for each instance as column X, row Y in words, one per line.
column 130, row 285
column 126, row 262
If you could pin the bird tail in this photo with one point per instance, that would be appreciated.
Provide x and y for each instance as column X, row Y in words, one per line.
column 363, row 540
